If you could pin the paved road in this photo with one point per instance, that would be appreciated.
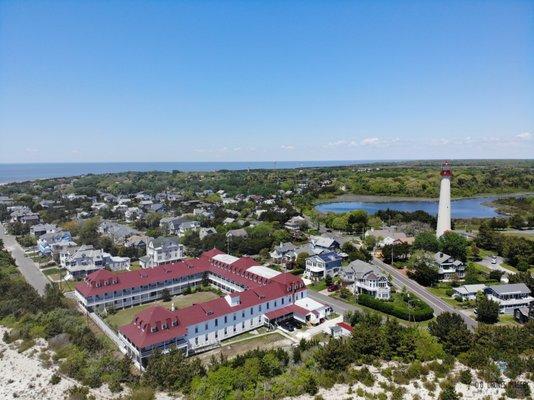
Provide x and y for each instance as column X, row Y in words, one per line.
column 433, row 301
column 26, row 265
column 338, row 306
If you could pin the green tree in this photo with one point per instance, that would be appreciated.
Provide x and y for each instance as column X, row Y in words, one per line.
column 423, row 270
column 454, row 245
column 452, row 333
column 487, row 310
column 166, row 295
column 334, row 356
column 426, row 241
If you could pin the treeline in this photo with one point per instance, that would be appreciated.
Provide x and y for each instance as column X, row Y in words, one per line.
column 518, row 251
column 276, row 373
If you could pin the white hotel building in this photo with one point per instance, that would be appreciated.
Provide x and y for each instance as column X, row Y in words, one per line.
column 256, row 296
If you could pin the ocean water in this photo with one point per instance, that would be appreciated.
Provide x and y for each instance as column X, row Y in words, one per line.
column 26, row 172
column 464, row 208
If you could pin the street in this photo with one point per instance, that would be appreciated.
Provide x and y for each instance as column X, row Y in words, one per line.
column 26, row 265
column 337, row 305
column 433, row 301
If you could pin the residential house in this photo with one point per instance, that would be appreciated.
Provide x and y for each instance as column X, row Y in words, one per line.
column 468, row 292
column 132, row 214
column 448, row 267
column 295, row 223
column 237, row 233
column 341, row 329
column 389, row 236
column 50, row 242
column 524, row 314
column 320, row 265
column 284, row 253
column 40, row 229
column 137, row 242
column 83, row 260
column 162, row 250
column 510, row 296
column 362, row 277
column 322, row 244
column 117, row 232
column 205, row 232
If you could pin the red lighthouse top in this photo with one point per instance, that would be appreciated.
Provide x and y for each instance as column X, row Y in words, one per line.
column 446, row 169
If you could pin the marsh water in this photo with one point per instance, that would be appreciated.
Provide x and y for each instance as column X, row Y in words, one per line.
column 477, row 207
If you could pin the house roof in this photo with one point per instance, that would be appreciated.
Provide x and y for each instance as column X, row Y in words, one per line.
column 510, row 288
column 468, row 289
column 345, row 326
column 330, row 256
column 291, row 309
column 164, row 242
column 138, row 332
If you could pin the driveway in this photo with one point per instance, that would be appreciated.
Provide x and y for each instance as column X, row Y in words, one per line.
column 27, row 267
column 438, row 305
column 486, row 262
column 339, row 307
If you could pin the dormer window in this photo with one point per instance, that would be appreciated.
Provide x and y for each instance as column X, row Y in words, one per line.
column 154, row 329
column 164, row 326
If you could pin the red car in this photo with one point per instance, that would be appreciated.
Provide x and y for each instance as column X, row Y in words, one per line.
column 333, row 288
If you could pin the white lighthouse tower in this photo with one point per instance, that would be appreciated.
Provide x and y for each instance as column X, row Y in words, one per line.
column 444, row 210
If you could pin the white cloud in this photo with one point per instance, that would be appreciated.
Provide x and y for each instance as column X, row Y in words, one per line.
column 31, row 150
column 342, row 142
column 287, row 147
column 373, row 141
column 524, row 136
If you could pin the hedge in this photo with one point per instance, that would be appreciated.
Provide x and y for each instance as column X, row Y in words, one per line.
column 421, row 312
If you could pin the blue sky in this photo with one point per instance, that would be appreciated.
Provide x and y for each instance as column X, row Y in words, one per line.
column 265, row 80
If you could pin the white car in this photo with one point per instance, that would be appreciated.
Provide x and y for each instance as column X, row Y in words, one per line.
column 494, row 260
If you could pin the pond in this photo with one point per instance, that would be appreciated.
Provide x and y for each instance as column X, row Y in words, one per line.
column 465, row 208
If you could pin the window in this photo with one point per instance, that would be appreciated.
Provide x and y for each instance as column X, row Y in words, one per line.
column 251, row 310
column 243, row 325
column 225, row 319
column 216, row 322
column 283, row 301
column 196, row 340
column 206, row 327
column 196, row 329
column 206, row 338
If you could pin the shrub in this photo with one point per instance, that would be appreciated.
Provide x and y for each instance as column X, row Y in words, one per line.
column 421, row 312
column 517, row 390
column 466, row 377
column 55, row 379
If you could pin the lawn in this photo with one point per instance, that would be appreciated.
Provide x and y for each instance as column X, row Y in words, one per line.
column 441, row 291
column 125, row 316
column 135, row 265
column 51, row 271
column 318, row 286
column 232, row 349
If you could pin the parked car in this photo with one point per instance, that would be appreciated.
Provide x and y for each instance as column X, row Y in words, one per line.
column 333, row 288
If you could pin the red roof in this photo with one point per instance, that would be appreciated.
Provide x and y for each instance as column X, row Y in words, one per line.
column 345, row 326
column 171, row 324
column 291, row 309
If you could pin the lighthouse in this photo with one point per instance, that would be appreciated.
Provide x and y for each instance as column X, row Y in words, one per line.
column 444, row 209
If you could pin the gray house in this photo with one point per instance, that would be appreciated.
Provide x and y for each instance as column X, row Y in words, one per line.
column 320, row 265
column 362, row 277
column 510, row 296
column 448, row 267
column 284, row 253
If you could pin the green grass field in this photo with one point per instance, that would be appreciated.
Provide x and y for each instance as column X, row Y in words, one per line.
column 125, row 316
